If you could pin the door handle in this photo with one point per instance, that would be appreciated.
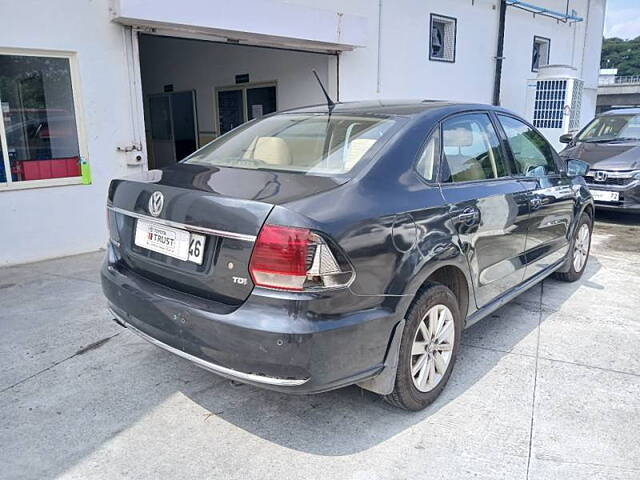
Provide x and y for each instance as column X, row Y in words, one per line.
column 469, row 216
column 535, row 202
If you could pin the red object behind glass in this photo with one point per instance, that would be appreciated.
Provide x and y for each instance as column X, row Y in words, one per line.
column 42, row 169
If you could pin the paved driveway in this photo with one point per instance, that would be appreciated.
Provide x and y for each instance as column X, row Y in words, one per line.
column 548, row 387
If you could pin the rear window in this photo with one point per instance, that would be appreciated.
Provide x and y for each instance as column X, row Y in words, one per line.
column 320, row 144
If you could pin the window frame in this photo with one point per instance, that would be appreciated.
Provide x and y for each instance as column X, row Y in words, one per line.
column 74, row 77
column 455, row 37
column 506, row 154
column 560, row 168
column 533, row 46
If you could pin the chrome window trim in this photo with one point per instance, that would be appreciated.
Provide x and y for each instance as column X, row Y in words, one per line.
column 184, row 226
column 212, row 367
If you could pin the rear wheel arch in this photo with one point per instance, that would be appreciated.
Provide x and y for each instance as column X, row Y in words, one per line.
column 408, row 390
column 451, row 275
column 455, row 280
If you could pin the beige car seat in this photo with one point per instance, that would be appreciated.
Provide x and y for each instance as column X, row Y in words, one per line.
column 271, row 150
column 357, row 148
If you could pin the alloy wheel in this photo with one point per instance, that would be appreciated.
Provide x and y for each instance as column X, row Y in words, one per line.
column 432, row 347
column 581, row 248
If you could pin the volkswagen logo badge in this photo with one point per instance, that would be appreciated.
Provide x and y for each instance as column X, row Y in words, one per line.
column 156, row 202
column 600, row 175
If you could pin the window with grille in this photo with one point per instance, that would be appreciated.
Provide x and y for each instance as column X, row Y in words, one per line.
column 549, row 104
column 442, row 44
column 540, row 55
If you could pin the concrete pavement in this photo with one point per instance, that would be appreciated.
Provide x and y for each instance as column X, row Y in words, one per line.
column 548, row 387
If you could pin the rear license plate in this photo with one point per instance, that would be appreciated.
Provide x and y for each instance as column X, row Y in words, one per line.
column 604, row 196
column 173, row 242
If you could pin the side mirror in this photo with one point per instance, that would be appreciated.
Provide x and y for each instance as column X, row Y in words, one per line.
column 577, row 168
column 566, row 138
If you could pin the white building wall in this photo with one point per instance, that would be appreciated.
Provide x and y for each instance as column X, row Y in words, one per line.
column 407, row 72
column 56, row 221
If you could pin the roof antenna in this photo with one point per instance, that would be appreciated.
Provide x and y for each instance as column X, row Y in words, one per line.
column 330, row 103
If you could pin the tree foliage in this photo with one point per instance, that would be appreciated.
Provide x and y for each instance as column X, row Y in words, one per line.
column 621, row 54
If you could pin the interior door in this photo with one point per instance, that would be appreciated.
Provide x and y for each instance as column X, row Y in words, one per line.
column 487, row 206
column 230, row 109
column 162, row 144
column 173, row 127
column 260, row 101
column 184, row 123
column 549, row 192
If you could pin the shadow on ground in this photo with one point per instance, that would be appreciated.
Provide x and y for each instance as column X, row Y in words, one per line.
column 350, row 420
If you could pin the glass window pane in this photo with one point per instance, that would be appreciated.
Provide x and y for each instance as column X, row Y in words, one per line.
column 471, row 149
column 532, row 153
column 540, row 56
column 230, row 106
column 427, row 164
column 437, row 40
column 39, row 117
column 443, row 38
column 260, row 101
column 315, row 144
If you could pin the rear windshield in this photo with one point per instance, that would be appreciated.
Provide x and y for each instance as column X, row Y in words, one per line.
column 320, row 144
column 612, row 127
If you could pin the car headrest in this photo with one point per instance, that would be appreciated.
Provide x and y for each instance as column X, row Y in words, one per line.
column 357, row 148
column 458, row 137
column 272, row 150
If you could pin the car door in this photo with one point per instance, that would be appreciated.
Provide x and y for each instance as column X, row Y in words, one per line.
column 549, row 191
column 488, row 207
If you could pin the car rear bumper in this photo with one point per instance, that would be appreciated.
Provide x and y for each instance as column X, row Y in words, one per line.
column 275, row 340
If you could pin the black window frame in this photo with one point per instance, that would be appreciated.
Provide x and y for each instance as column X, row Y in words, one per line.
column 499, row 134
column 533, row 48
column 455, row 37
column 560, row 166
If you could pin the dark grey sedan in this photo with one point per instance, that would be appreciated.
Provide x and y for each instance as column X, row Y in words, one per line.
column 610, row 143
column 351, row 244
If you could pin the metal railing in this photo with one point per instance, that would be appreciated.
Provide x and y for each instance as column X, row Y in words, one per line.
column 620, row 80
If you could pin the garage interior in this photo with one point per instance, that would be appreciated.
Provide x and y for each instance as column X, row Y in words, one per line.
column 195, row 90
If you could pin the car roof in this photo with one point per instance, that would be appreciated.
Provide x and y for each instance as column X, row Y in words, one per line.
column 621, row 111
column 403, row 108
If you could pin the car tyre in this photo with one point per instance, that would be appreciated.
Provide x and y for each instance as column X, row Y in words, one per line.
column 578, row 251
column 435, row 313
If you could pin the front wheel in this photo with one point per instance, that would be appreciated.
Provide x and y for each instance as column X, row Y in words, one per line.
column 578, row 251
column 428, row 348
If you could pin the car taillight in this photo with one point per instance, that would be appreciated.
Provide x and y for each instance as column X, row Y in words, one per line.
column 290, row 258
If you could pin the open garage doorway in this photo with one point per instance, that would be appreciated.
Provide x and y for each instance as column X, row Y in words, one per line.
column 197, row 90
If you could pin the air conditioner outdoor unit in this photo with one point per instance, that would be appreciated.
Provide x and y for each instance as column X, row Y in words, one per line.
column 554, row 99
